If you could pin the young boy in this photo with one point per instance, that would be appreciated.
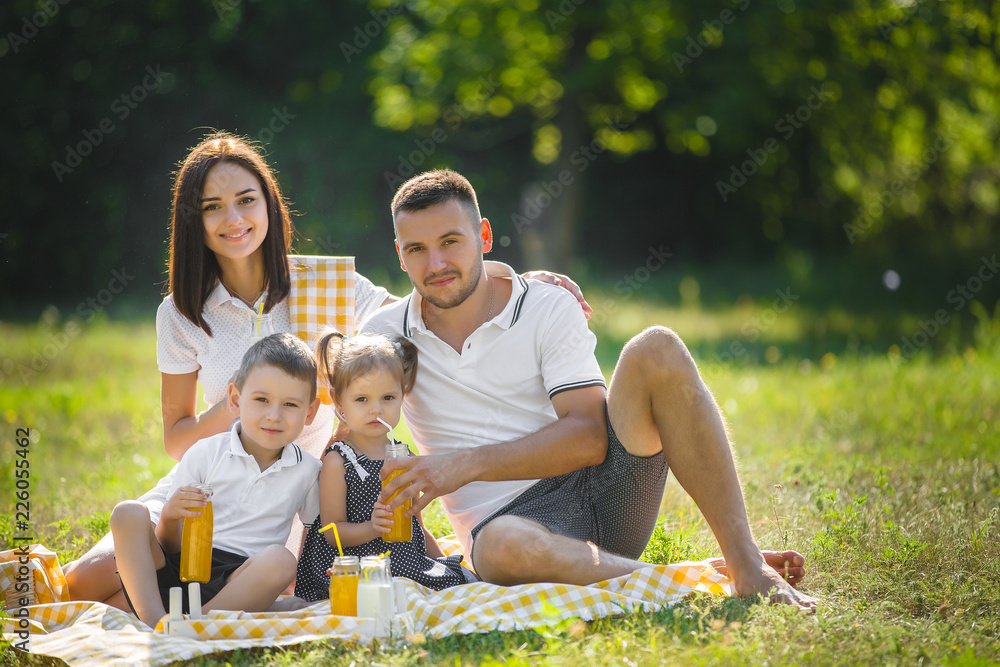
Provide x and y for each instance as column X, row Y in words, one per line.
column 261, row 481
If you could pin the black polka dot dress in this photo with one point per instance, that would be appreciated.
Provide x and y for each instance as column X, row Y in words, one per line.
column 408, row 559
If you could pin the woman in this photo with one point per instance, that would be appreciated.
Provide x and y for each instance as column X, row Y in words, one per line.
column 229, row 283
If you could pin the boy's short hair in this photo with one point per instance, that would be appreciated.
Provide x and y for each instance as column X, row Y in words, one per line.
column 284, row 351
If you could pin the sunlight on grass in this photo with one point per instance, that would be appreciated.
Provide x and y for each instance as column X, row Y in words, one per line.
column 883, row 471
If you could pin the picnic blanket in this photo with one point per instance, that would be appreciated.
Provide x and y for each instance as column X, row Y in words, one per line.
column 92, row 633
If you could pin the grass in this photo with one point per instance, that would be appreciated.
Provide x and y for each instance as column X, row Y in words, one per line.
column 884, row 471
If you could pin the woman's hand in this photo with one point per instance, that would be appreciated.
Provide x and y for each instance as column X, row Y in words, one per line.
column 562, row 281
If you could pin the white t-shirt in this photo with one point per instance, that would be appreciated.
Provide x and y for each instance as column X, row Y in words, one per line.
column 251, row 509
column 498, row 389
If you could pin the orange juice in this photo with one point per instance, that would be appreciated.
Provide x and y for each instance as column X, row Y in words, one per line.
column 196, row 546
column 344, row 586
column 402, row 530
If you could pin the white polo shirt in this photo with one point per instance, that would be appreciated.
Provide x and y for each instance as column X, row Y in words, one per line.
column 498, row 389
column 251, row 509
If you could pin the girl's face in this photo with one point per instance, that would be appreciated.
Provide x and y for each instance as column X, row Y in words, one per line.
column 377, row 394
column 233, row 211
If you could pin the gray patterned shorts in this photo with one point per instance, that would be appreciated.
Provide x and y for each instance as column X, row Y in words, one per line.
column 613, row 504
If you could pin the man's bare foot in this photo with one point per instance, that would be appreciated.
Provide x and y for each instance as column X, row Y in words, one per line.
column 769, row 579
column 789, row 564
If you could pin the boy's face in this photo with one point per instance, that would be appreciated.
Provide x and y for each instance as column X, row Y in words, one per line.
column 273, row 407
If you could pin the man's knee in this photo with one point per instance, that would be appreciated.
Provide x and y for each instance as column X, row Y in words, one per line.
column 658, row 349
column 506, row 545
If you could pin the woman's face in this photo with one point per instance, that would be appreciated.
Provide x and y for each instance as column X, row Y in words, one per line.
column 233, row 211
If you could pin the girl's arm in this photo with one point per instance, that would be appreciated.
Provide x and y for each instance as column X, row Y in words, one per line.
column 182, row 426
column 333, row 507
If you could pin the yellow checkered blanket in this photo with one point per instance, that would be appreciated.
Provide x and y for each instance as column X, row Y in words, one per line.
column 91, row 633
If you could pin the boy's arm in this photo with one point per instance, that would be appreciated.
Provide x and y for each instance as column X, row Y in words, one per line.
column 333, row 507
column 187, row 501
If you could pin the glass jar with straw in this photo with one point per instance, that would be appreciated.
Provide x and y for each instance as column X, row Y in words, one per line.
column 402, row 528
column 343, row 579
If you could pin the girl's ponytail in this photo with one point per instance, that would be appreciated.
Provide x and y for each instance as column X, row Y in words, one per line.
column 408, row 352
column 328, row 349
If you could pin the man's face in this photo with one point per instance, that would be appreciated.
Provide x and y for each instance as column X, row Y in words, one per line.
column 441, row 249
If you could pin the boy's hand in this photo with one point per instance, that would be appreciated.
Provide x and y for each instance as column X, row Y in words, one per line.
column 186, row 501
column 382, row 520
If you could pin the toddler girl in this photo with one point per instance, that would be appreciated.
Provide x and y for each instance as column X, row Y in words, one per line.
column 368, row 376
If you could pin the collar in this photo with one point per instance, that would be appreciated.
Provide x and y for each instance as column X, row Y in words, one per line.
column 413, row 323
column 220, row 295
column 290, row 453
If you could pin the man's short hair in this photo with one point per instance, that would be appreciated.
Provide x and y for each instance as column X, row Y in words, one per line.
column 436, row 187
column 284, row 351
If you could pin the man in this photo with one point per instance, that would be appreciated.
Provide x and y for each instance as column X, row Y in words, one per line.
column 544, row 474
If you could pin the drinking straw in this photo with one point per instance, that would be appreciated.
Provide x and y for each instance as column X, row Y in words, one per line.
column 336, row 536
column 208, row 480
column 391, row 438
column 260, row 316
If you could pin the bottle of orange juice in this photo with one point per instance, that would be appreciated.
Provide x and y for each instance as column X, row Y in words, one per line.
column 402, row 530
column 344, row 586
column 196, row 542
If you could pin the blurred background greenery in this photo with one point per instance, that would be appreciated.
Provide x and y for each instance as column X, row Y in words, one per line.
column 844, row 151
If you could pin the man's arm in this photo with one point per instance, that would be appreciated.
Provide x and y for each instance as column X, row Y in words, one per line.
column 578, row 438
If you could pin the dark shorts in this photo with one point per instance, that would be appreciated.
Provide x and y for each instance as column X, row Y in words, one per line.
column 614, row 504
column 224, row 563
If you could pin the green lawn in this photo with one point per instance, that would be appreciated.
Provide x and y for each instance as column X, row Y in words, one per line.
column 886, row 475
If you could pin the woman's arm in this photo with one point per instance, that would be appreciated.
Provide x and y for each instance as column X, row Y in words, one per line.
column 182, row 427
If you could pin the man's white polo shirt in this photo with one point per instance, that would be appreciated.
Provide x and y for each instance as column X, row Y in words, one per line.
column 498, row 389
column 251, row 509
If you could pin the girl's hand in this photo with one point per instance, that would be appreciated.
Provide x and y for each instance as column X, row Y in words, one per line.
column 382, row 520
column 564, row 282
column 186, row 501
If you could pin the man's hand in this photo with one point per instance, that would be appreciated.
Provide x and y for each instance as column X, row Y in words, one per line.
column 426, row 478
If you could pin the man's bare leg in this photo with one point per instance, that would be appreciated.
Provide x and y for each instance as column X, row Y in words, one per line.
column 657, row 400
column 513, row 550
